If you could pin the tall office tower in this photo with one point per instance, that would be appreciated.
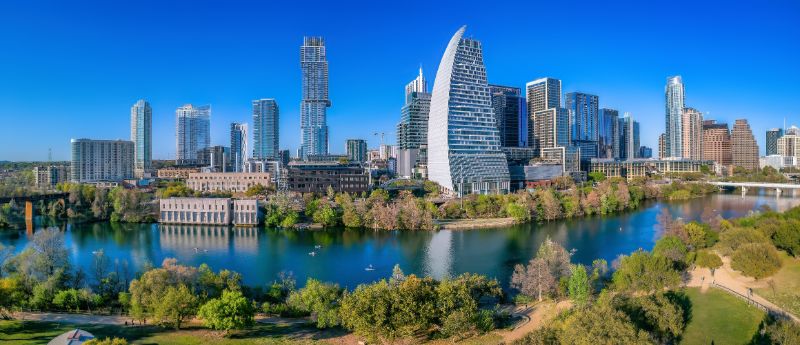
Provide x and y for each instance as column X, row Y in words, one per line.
column 772, row 140
column 239, row 148
column 629, row 137
column 464, row 153
column 544, row 101
column 788, row 145
column 101, row 160
column 717, row 143
column 266, row 128
column 193, row 132
column 356, row 150
column 645, row 152
column 607, row 134
column 662, row 146
column 507, row 103
column 674, row 95
column 412, row 130
column 744, row 148
column 692, row 136
column 315, row 103
column 583, row 122
column 142, row 136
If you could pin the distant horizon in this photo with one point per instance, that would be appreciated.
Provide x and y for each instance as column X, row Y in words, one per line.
column 74, row 70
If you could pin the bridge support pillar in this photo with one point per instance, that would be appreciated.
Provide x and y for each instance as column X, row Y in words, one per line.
column 744, row 191
column 777, row 192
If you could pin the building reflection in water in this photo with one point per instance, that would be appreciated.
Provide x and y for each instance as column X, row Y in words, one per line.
column 212, row 238
column 439, row 255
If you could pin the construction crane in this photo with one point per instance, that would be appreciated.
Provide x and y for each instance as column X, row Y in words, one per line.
column 381, row 134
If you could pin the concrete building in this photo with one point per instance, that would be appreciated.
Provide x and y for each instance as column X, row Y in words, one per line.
column 407, row 162
column 717, row 143
column 645, row 167
column 674, row 101
column 192, row 132
column 509, row 106
column 142, row 137
column 662, row 146
column 778, row 162
column 692, row 136
column 101, row 160
column 548, row 122
column 356, row 150
column 464, row 153
column 316, row 177
column 788, row 146
column 772, row 141
column 744, row 149
column 176, row 172
column 215, row 159
column 530, row 176
column 227, row 182
column 584, row 122
column 50, row 176
column 266, row 128
column 209, row 211
column 239, row 148
column 315, row 103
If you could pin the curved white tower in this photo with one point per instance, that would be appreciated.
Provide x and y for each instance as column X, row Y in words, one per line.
column 463, row 140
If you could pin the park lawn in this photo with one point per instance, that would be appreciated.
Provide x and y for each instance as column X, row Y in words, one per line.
column 15, row 332
column 784, row 289
column 720, row 318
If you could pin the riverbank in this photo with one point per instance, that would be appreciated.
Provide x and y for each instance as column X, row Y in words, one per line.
column 474, row 224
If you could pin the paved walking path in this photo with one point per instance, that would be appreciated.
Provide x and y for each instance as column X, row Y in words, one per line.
column 532, row 318
column 725, row 276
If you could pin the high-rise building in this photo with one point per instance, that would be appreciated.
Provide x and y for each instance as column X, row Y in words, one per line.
column 101, row 160
column 215, row 159
column 608, row 134
column 674, row 95
column 717, row 143
column 544, row 102
column 793, row 130
column 356, row 150
column 508, row 105
column 788, row 145
column 645, row 152
column 266, row 133
column 743, row 145
column 692, row 136
column 772, row 140
column 662, row 146
column 464, row 153
column 629, row 137
column 315, row 102
column 412, row 130
column 238, row 146
column 193, row 132
column 583, row 122
column 142, row 136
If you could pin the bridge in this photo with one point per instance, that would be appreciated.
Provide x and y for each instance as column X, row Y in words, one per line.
column 30, row 199
column 779, row 187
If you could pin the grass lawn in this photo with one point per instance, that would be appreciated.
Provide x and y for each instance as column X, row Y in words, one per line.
column 15, row 332
column 720, row 318
column 784, row 289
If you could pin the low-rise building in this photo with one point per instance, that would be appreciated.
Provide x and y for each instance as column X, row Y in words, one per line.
column 316, row 177
column 50, row 176
column 534, row 175
column 209, row 211
column 176, row 173
column 644, row 167
column 778, row 162
column 227, row 182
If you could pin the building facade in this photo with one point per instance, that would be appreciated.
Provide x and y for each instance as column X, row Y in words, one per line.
column 142, row 137
column 101, row 160
column 356, row 150
column 583, row 122
column 548, row 122
column 772, row 140
column 412, row 130
column 692, row 136
column 608, row 134
column 744, row 148
column 215, row 159
column 239, row 149
column 628, row 137
column 314, row 104
column 645, row 152
column 209, row 211
column 464, row 153
column 788, row 146
column 192, row 132
column 674, row 100
column 266, row 133
column 717, row 143
column 645, row 167
column 50, row 176
column 176, row 172
column 662, row 146
column 316, row 177
column 508, row 105
column 227, row 182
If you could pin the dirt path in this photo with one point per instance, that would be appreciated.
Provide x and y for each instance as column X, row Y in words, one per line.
column 533, row 318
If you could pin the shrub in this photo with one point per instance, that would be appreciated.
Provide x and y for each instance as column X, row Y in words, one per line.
column 787, row 237
column 731, row 240
column 757, row 260
column 707, row 259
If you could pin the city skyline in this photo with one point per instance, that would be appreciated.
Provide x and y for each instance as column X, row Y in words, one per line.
column 633, row 84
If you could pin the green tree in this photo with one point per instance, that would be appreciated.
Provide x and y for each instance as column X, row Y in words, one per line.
column 597, row 176
column 601, row 325
column 319, row 299
column 730, row 240
column 659, row 315
column 787, row 236
column 641, row 271
column 231, row 311
column 326, row 216
column 256, row 190
column 708, row 259
column 579, row 289
column 177, row 305
column 107, row 341
column 671, row 247
column 784, row 332
column 757, row 260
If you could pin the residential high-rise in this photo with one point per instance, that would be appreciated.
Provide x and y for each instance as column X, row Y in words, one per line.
column 788, row 145
column 142, row 136
column 101, row 160
column 315, row 102
column 674, row 95
column 744, row 148
column 544, row 102
column 628, row 137
column 692, row 136
column 607, row 134
column 717, row 143
column 193, row 132
column 583, row 122
column 772, row 140
column 464, row 153
column 356, row 150
column 266, row 125
column 412, row 130
column 507, row 103
column 239, row 148
column 662, row 146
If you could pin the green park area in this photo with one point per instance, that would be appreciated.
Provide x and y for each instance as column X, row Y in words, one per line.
column 720, row 318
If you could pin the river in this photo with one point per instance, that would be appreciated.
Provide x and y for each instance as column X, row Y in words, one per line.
column 344, row 256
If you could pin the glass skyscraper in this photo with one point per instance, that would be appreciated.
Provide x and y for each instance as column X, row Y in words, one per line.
column 266, row 119
column 608, row 134
column 674, row 96
column 464, row 153
column 772, row 140
column 412, row 131
column 583, row 119
column 193, row 132
column 508, row 107
column 628, row 137
column 142, row 136
column 548, row 122
column 238, row 151
column 315, row 102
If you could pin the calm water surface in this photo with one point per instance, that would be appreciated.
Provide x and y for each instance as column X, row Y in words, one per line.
column 260, row 254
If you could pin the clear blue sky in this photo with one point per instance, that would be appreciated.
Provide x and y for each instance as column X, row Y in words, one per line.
column 73, row 69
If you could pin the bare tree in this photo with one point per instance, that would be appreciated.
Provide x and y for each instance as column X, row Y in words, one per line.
column 534, row 279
